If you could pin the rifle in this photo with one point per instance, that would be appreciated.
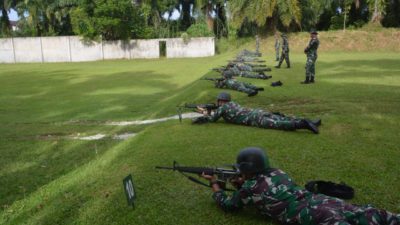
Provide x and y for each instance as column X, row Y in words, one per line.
column 246, row 60
column 223, row 174
column 219, row 69
column 208, row 106
column 214, row 79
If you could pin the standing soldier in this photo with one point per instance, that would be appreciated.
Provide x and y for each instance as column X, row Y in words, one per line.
column 277, row 46
column 285, row 52
column 311, row 52
column 257, row 44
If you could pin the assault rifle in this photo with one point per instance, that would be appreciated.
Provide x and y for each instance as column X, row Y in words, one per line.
column 246, row 60
column 224, row 175
column 208, row 106
column 214, row 79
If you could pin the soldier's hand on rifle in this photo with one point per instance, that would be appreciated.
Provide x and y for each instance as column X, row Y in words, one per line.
column 213, row 182
column 237, row 182
column 202, row 111
column 208, row 177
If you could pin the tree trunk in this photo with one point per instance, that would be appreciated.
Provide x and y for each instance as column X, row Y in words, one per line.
column 344, row 21
column 5, row 21
column 210, row 20
column 376, row 16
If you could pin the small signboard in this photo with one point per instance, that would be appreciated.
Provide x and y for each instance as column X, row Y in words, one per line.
column 129, row 190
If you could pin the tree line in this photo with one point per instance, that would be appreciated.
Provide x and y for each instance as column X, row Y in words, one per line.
column 126, row 19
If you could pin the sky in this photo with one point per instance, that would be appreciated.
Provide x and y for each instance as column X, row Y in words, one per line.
column 12, row 15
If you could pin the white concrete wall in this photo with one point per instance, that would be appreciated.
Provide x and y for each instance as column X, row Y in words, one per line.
column 195, row 47
column 6, row 50
column 28, row 50
column 56, row 49
column 73, row 49
column 116, row 50
column 85, row 51
column 145, row 49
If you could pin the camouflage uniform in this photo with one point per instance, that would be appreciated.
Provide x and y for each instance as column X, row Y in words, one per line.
column 311, row 51
column 236, row 85
column 285, row 52
column 234, row 71
column 277, row 46
column 276, row 196
column 232, row 112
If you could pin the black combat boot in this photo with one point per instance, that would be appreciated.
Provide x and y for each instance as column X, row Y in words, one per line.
column 307, row 81
column 312, row 80
column 317, row 122
column 254, row 92
column 260, row 89
column 306, row 124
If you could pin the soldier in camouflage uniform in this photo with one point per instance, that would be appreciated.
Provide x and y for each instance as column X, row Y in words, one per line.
column 312, row 55
column 277, row 46
column 285, row 52
column 275, row 195
column 248, row 67
column 233, row 84
column 233, row 72
column 232, row 112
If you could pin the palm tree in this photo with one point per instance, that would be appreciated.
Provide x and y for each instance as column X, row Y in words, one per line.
column 5, row 6
column 379, row 10
column 286, row 11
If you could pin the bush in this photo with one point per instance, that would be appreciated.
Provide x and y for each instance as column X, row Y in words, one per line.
column 199, row 30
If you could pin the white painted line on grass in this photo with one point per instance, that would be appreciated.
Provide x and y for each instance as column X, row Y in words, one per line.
column 141, row 122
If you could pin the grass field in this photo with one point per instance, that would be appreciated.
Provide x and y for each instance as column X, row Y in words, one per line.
column 46, row 178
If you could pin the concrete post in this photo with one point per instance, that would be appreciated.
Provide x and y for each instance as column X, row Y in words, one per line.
column 69, row 48
column 41, row 49
column 13, row 48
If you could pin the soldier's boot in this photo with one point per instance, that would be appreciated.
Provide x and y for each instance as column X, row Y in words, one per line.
column 288, row 65
column 252, row 93
column 306, row 124
column 317, row 122
column 265, row 77
column 260, row 89
column 306, row 81
column 312, row 80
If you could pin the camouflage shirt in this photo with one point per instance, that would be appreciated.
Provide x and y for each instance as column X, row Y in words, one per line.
column 274, row 194
column 311, row 49
column 232, row 112
column 285, row 45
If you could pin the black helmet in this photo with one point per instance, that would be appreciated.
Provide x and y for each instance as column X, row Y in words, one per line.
column 313, row 31
column 224, row 96
column 252, row 160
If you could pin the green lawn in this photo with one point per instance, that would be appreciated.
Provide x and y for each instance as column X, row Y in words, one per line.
column 48, row 179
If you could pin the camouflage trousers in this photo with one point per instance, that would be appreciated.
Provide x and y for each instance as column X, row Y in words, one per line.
column 310, row 67
column 321, row 209
column 236, row 85
column 284, row 56
column 242, row 87
column 252, row 75
column 277, row 53
column 277, row 121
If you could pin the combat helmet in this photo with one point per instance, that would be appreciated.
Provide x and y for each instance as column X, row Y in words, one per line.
column 252, row 160
column 224, row 96
column 313, row 31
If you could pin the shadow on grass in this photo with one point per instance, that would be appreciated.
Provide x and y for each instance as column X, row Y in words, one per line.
column 32, row 164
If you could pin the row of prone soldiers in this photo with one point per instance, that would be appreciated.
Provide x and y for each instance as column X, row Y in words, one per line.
column 246, row 64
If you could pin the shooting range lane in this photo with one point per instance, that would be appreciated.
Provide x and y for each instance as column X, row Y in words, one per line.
column 142, row 122
column 122, row 136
